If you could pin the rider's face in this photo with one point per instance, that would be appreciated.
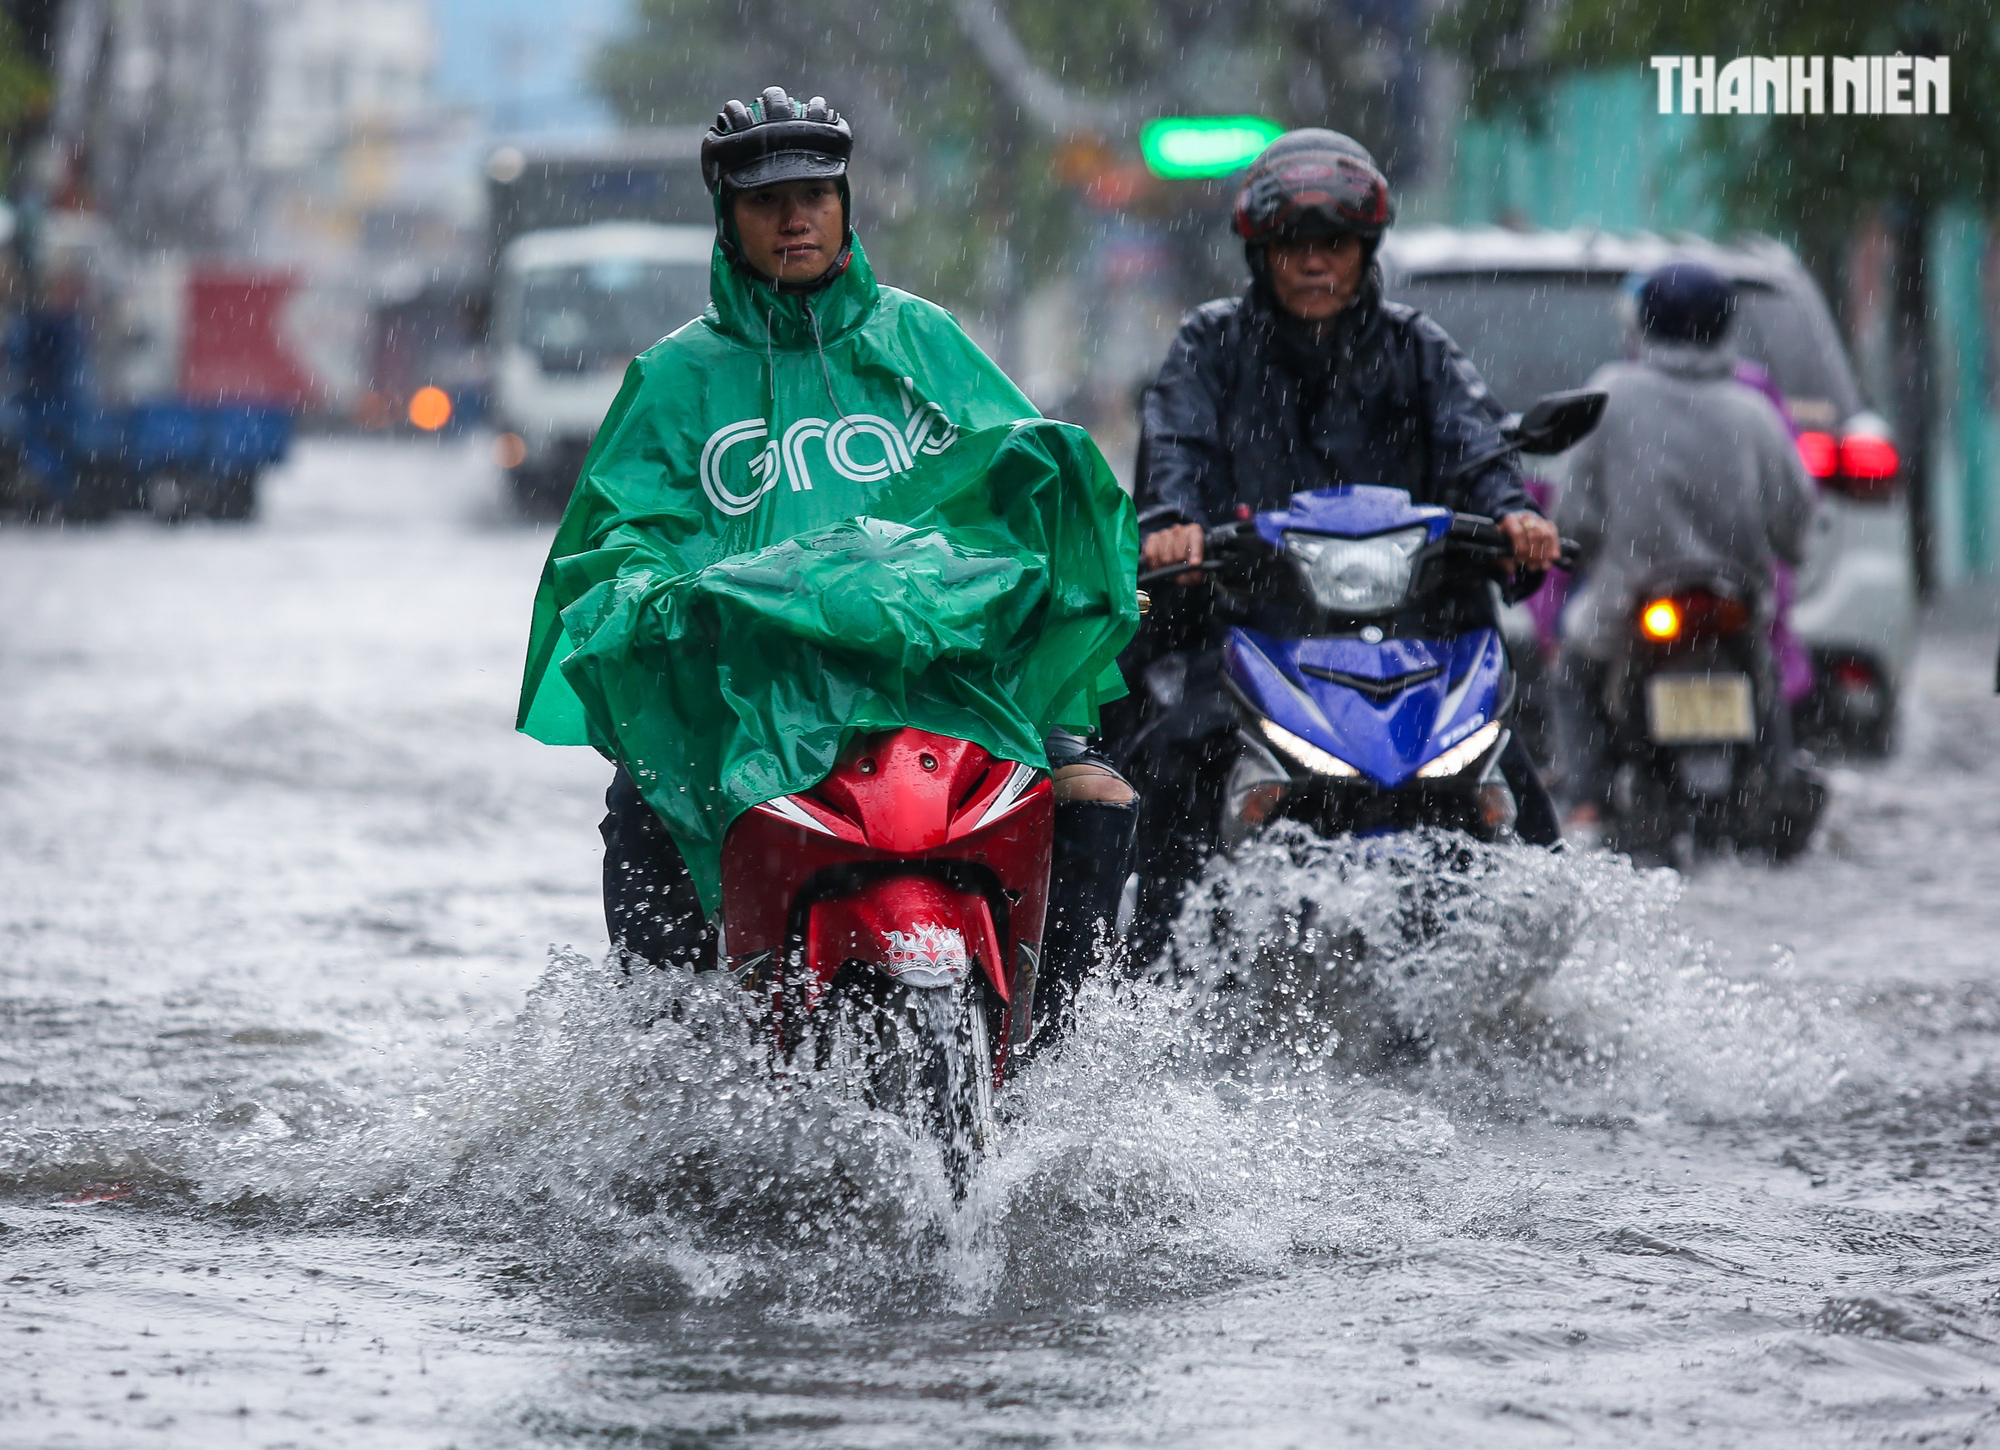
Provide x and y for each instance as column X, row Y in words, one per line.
column 1315, row 279
column 790, row 230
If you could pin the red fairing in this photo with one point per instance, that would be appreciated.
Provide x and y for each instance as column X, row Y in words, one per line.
column 974, row 831
column 914, row 928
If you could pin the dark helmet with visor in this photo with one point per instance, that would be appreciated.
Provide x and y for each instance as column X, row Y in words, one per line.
column 772, row 140
column 1313, row 183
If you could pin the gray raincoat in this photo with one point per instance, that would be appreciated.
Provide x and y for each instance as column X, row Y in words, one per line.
column 1688, row 466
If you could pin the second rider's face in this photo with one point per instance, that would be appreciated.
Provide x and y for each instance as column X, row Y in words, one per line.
column 1314, row 280
column 791, row 230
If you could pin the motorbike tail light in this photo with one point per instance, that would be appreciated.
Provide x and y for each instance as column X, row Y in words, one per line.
column 1869, row 466
column 1820, row 452
column 1694, row 614
column 1852, row 674
column 1714, row 615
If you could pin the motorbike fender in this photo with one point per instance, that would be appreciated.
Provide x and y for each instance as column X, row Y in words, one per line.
column 913, row 928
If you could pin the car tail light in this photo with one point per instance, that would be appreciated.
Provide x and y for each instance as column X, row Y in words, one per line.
column 1820, row 453
column 1859, row 691
column 1863, row 456
column 1868, row 467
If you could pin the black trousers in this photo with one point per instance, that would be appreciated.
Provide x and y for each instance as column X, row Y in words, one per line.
column 650, row 906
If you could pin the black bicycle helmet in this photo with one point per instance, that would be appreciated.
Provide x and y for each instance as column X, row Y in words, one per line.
column 775, row 139
column 1313, row 183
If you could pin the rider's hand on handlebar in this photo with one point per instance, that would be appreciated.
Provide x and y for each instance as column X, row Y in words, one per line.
column 1176, row 544
column 1534, row 539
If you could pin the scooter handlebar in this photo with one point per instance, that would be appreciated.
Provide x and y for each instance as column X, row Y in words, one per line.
column 1221, row 546
column 1233, row 543
column 1173, row 572
column 1482, row 535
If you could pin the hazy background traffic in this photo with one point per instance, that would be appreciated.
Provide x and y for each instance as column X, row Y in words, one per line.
column 337, row 178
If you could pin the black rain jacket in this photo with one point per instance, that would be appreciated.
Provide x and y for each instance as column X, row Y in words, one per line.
column 1248, row 410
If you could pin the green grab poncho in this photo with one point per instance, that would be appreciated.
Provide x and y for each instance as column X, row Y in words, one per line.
column 807, row 517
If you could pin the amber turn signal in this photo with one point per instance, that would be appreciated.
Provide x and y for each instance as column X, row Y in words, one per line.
column 1661, row 620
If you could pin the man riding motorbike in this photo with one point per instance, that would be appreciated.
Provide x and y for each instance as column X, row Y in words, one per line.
column 1307, row 380
column 1689, row 467
column 797, row 312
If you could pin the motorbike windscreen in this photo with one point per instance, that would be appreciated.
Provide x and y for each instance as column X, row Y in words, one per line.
column 1356, row 576
column 597, row 316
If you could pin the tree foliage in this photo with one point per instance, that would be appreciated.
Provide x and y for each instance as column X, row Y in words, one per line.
column 1794, row 174
column 25, row 92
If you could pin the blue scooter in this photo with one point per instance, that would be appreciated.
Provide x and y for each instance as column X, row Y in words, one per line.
column 1361, row 653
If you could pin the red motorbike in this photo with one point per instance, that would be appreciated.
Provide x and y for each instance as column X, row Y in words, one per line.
column 892, row 918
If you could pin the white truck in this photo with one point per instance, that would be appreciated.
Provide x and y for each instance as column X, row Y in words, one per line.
column 599, row 247
column 572, row 307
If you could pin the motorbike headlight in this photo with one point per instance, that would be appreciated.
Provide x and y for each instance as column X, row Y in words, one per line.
column 1356, row 576
column 1462, row 754
column 1320, row 762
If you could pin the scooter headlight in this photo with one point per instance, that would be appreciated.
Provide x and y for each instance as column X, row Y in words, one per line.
column 1320, row 762
column 1462, row 754
column 1356, row 576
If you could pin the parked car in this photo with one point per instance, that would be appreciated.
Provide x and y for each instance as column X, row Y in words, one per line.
column 1540, row 311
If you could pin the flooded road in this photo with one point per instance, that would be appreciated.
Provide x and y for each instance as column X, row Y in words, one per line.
column 321, row 1124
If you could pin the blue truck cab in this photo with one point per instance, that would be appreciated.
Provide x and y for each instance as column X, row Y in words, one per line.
column 66, row 452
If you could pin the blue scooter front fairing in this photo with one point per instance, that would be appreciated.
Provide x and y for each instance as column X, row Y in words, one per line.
column 1372, row 685
column 1386, row 709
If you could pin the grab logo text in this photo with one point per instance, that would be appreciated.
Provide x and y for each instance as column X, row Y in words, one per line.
column 1805, row 85
column 860, row 447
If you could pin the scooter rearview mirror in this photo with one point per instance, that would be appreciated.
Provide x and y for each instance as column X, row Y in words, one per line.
column 1558, row 421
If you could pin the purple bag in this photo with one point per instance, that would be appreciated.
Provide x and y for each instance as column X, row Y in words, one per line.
column 1794, row 665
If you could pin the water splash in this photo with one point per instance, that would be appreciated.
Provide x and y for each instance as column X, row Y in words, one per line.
column 1334, row 1026
column 1561, row 980
column 636, row 1131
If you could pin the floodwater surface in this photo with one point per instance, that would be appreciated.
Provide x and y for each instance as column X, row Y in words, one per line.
column 322, row 1121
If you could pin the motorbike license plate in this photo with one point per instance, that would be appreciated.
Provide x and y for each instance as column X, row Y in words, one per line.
column 1697, row 709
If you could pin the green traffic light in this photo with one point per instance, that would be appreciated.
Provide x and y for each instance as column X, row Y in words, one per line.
column 1183, row 148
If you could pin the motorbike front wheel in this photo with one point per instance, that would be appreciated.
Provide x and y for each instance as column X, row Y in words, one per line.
column 924, row 1054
